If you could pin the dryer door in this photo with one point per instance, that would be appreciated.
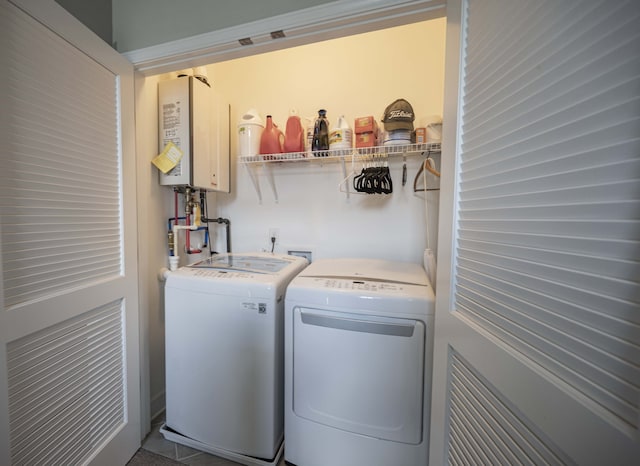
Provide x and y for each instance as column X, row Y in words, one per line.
column 362, row 374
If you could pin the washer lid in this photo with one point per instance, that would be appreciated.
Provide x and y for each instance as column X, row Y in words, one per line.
column 367, row 269
column 254, row 263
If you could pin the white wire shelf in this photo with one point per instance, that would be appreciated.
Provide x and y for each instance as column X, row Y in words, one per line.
column 341, row 154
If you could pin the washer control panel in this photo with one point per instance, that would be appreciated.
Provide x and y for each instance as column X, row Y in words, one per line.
column 220, row 274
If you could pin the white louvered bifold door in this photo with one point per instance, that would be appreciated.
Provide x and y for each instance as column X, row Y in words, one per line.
column 539, row 356
column 69, row 382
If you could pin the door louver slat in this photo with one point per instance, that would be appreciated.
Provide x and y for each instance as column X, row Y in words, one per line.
column 66, row 388
column 485, row 430
column 548, row 231
column 64, row 172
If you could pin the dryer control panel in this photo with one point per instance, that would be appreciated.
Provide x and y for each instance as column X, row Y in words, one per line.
column 359, row 285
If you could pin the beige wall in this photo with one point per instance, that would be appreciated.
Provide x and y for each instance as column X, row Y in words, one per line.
column 357, row 75
column 353, row 76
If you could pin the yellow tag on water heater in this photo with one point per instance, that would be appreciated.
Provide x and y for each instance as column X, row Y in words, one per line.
column 168, row 158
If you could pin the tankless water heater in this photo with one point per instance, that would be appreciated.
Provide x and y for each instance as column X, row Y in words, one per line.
column 195, row 117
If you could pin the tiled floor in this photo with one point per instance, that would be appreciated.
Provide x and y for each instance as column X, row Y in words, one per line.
column 156, row 443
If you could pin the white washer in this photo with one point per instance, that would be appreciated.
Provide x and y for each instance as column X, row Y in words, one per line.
column 224, row 355
column 358, row 358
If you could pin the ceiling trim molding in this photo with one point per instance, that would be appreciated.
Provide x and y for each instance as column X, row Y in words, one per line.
column 328, row 21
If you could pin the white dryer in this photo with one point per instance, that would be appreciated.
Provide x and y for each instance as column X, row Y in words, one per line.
column 358, row 359
column 224, row 338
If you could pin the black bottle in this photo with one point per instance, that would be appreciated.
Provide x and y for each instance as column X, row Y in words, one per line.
column 320, row 141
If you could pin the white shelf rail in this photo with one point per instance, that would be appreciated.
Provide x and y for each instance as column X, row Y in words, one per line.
column 341, row 154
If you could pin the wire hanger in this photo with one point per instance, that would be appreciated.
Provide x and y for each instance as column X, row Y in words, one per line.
column 428, row 165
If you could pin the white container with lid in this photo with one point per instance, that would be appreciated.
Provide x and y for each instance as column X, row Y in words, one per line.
column 250, row 129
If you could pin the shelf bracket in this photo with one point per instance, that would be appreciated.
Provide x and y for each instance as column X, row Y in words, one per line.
column 254, row 181
column 344, row 174
column 269, row 172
